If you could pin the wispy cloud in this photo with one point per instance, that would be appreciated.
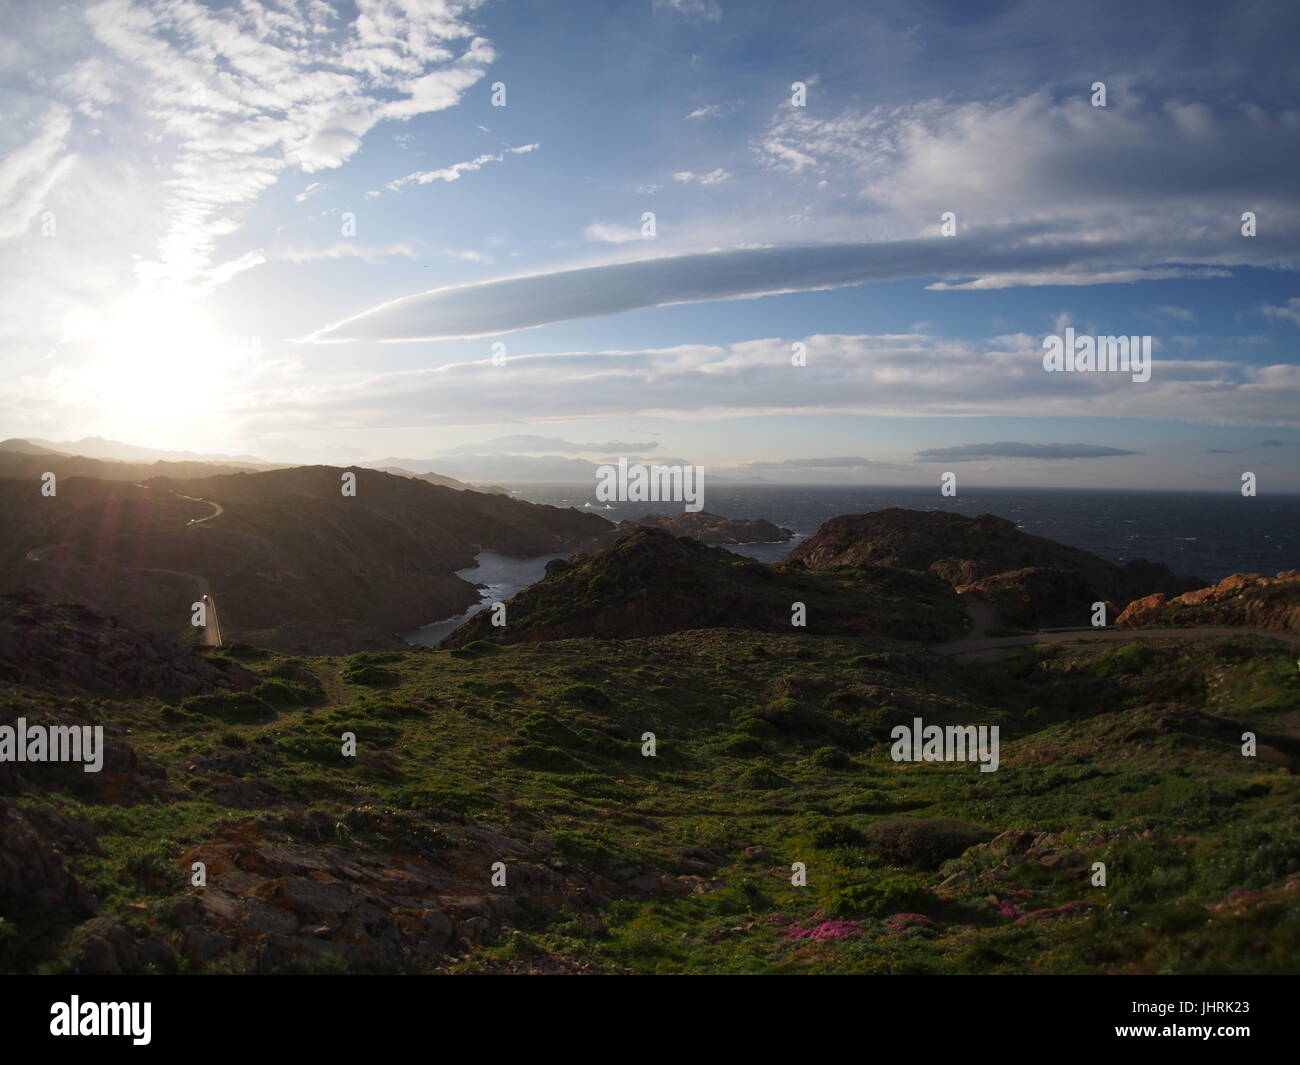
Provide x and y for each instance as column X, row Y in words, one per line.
column 28, row 173
column 1008, row 449
column 524, row 443
column 245, row 93
column 713, row 177
column 1289, row 312
column 344, row 249
column 702, row 10
column 890, row 376
column 453, row 172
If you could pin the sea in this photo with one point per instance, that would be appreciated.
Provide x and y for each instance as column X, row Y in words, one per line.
column 1201, row 534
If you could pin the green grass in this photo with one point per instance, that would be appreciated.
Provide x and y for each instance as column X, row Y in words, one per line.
column 771, row 751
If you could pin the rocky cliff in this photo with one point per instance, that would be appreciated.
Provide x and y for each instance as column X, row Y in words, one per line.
column 1032, row 581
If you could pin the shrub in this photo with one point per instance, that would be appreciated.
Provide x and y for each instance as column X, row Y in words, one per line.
column 585, row 695
column 368, row 675
column 919, row 842
column 228, row 705
column 888, row 894
column 547, row 759
column 827, row 834
column 830, row 758
column 284, row 692
column 761, row 778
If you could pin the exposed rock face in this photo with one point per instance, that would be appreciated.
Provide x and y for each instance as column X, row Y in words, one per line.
column 1034, row 582
column 1142, row 611
column 285, row 906
column 698, row 525
column 650, row 582
column 1244, row 599
column 32, row 873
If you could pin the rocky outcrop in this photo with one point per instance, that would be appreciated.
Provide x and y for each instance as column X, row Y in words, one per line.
column 284, row 906
column 1032, row 581
column 1244, row 599
column 33, row 876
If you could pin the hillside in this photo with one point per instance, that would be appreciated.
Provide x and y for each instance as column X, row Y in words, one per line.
column 698, row 525
column 771, row 750
column 291, row 562
column 651, row 582
column 445, row 482
column 1033, row 582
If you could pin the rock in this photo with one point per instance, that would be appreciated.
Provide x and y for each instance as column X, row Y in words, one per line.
column 106, row 946
column 1142, row 611
column 32, row 873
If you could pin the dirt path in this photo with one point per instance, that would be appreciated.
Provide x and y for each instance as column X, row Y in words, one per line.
column 970, row 645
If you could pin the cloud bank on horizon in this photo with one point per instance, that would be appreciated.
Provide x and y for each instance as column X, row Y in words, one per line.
column 414, row 226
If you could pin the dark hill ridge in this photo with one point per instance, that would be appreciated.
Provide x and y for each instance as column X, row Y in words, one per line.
column 698, row 525
column 651, row 582
column 292, row 563
column 1032, row 581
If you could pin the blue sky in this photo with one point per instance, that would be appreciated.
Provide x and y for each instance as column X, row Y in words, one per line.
column 220, row 221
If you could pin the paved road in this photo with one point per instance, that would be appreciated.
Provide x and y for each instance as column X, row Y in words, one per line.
column 212, row 632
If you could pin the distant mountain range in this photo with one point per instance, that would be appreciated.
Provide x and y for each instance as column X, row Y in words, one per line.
column 91, row 454
column 499, row 467
column 96, row 447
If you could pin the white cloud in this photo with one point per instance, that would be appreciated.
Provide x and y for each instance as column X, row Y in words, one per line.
column 907, row 375
column 29, row 173
column 611, row 233
column 344, row 249
column 1290, row 312
column 453, row 172
column 1037, row 158
column 995, row 258
column 701, row 10
column 713, row 177
column 714, row 110
column 236, row 95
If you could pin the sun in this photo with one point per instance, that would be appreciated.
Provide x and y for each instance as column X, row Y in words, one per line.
column 158, row 362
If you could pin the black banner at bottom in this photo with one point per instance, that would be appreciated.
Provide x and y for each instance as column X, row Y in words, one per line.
column 84, row 1015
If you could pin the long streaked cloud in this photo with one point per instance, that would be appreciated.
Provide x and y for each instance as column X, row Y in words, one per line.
column 1009, row 449
column 492, row 307
column 841, row 463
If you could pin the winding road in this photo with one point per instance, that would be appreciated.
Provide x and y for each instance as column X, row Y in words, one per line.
column 212, row 630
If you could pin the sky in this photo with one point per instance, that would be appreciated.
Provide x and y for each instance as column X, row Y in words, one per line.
column 818, row 243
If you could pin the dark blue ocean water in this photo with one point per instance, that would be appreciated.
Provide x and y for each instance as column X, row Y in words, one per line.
column 1208, row 535
column 1195, row 534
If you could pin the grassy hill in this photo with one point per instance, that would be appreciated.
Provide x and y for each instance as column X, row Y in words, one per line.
column 651, row 582
column 771, row 750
